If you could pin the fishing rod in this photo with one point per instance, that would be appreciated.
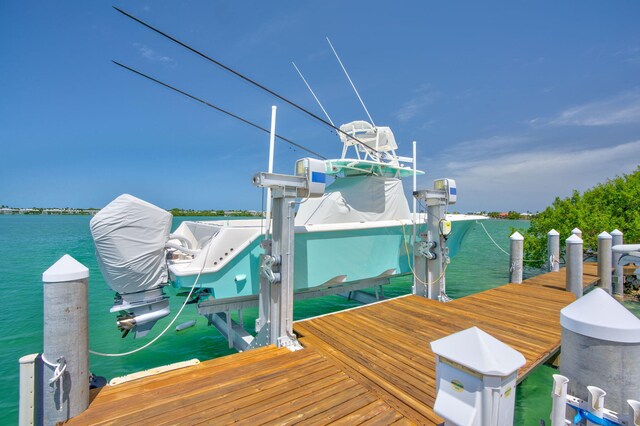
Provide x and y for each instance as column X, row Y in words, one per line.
column 237, row 117
column 364, row 146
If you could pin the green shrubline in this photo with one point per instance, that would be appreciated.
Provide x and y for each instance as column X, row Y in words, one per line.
column 614, row 204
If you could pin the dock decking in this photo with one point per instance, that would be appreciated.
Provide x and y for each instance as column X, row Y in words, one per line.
column 368, row 365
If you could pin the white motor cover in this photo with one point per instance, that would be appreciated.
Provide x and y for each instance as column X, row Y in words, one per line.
column 130, row 236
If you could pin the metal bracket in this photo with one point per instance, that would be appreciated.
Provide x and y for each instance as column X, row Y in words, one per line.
column 427, row 249
column 267, row 268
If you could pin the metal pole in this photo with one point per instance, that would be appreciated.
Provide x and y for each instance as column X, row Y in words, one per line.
column 66, row 340
column 604, row 261
column 574, row 265
column 617, row 238
column 272, row 143
column 435, row 213
column 516, row 257
column 553, row 250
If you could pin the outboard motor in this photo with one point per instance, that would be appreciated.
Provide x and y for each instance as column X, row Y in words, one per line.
column 130, row 236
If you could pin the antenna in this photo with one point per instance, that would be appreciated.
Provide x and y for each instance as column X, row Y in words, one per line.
column 314, row 95
column 352, row 85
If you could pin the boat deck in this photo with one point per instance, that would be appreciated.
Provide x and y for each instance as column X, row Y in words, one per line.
column 368, row 365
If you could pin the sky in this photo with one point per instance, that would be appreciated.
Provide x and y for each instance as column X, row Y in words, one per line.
column 519, row 101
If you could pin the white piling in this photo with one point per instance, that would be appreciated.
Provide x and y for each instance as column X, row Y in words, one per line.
column 553, row 250
column 66, row 341
column 604, row 261
column 574, row 265
column 559, row 403
column 28, row 407
column 576, row 231
column 617, row 238
column 516, row 250
column 596, row 403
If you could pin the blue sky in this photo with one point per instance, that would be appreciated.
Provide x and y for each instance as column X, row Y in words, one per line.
column 519, row 101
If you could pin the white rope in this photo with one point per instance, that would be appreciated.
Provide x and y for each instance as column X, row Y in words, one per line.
column 186, row 300
column 58, row 376
column 492, row 240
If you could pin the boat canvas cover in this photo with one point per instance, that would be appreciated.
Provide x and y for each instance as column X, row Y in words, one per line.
column 356, row 199
column 130, row 236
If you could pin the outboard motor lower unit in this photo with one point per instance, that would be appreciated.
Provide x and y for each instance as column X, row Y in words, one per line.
column 130, row 236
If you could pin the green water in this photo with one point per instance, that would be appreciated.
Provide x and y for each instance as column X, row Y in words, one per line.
column 30, row 244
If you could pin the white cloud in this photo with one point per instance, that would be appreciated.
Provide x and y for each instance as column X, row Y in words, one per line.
column 151, row 54
column 531, row 180
column 621, row 109
column 423, row 96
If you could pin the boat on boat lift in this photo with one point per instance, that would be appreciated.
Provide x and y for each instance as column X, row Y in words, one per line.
column 360, row 228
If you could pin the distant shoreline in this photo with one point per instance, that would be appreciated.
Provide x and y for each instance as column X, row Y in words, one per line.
column 36, row 211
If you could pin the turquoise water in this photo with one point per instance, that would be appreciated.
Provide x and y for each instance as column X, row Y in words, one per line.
column 30, row 244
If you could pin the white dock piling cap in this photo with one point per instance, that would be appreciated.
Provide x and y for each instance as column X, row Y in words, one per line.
column 604, row 235
column 574, row 239
column 516, row 236
column 553, row 232
column 65, row 269
column 600, row 316
column 479, row 351
column 616, row 232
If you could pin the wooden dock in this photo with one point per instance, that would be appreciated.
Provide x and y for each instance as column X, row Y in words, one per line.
column 368, row 365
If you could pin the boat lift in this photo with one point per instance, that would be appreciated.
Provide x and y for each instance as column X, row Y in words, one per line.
column 275, row 300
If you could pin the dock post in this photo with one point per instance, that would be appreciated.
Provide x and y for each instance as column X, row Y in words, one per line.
column 29, row 409
column 604, row 261
column 553, row 250
column 617, row 238
column 66, row 340
column 574, row 265
column 516, row 257
column 576, row 231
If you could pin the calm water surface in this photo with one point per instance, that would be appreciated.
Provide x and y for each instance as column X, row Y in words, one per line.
column 30, row 244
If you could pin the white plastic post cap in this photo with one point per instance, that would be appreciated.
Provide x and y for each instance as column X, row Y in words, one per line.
column 616, row 232
column 516, row 236
column 604, row 236
column 479, row 351
column 65, row 269
column 600, row 316
column 576, row 231
column 574, row 239
column 553, row 232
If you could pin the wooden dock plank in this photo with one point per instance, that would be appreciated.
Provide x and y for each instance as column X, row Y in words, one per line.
column 370, row 365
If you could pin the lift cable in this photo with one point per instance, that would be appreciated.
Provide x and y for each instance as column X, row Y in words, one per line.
column 255, row 83
column 219, row 109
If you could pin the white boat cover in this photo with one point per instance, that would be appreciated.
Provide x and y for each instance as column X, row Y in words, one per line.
column 130, row 235
column 378, row 138
column 356, row 199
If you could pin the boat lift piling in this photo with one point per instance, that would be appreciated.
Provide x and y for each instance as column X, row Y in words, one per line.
column 431, row 255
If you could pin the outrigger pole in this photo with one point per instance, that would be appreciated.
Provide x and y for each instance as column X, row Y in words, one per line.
column 255, row 83
column 237, row 117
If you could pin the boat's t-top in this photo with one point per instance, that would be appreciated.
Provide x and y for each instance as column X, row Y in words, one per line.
column 374, row 152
